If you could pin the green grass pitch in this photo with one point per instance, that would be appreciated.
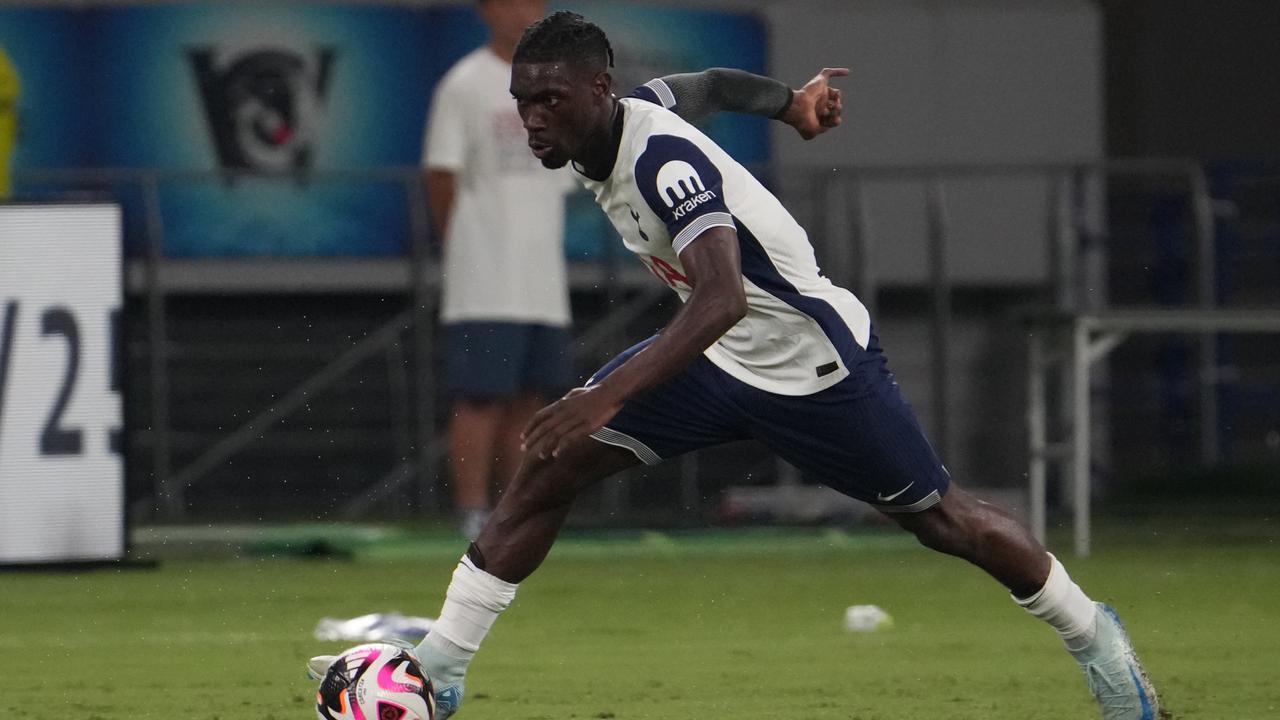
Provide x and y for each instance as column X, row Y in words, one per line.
column 714, row 626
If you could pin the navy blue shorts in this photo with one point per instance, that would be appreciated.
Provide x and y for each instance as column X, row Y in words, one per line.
column 859, row 436
column 499, row 360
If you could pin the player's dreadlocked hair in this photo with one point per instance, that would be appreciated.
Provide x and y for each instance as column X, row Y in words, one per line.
column 566, row 36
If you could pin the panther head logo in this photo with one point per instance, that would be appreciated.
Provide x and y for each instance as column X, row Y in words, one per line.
column 263, row 105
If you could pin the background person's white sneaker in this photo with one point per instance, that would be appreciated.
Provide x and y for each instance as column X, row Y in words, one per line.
column 1115, row 675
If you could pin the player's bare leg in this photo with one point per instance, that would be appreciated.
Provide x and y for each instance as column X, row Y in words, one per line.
column 977, row 531
column 518, row 413
column 473, row 441
column 512, row 545
column 527, row 520
column 986, row 536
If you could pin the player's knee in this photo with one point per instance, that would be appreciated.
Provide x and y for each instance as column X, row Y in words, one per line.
column 543, row 483
column 948, row 528
column 936, row 531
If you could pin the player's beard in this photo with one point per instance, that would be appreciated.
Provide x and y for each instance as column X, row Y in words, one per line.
column 555, row 162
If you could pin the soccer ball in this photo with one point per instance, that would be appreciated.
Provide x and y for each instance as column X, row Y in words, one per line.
column 377, row 681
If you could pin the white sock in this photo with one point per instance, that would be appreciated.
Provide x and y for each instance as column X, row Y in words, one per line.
column 1062, row 604
column 472, row 604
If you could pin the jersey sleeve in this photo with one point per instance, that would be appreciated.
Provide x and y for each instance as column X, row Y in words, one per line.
column 698, row 95
column 683, row 187
column 656, row 91
column 445, row 146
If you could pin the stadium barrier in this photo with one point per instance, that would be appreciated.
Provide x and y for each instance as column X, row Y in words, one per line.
column 1091, row 337
column 842, row 208
column 62, row 483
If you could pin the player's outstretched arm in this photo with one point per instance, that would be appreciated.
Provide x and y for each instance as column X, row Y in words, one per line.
column 811, row 110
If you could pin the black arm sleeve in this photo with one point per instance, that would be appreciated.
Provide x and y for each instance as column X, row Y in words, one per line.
column 700, row 94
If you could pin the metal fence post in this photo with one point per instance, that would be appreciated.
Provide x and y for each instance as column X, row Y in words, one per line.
column 1080, row 432
column 1037, row 432
column 867, row 287
column 421, row 316
column 941, row 328
column 1202, row 212
column 170, row 498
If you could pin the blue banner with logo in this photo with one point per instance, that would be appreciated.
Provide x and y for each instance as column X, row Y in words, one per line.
column 289, row 128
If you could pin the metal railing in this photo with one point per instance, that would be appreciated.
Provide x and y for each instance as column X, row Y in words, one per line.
column 1074, row 210
column 846, row 237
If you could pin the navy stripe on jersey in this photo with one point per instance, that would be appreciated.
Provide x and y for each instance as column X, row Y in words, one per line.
column 760, row 270
column 682, row 187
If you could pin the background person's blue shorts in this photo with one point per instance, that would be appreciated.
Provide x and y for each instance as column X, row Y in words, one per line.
column 498, row 360
column 859, row 436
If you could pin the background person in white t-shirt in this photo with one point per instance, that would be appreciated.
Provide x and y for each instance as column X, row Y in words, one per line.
column 505, row 310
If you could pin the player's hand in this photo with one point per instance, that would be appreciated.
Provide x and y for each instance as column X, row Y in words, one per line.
column 816, row 107
column 576, row 415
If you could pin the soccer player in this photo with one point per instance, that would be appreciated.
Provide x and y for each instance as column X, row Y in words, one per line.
column 763, row 347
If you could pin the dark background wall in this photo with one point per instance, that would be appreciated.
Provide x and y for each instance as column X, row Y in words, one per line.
column 1193, row 78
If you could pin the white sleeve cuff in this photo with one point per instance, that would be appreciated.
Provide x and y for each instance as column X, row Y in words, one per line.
column 699, row 226
column 663, row 91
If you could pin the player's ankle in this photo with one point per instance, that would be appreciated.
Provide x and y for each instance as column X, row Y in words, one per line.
column 472, row 604
column 437, row 650
column 1064, row 606
column 438, row 654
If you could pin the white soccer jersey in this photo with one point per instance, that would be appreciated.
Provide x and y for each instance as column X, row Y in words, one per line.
column 504, row 250
column 670, row 184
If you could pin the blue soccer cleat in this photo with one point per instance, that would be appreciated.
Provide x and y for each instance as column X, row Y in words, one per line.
column 1115, row 675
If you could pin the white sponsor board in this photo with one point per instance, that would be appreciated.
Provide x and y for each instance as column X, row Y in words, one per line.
column 61, row 469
